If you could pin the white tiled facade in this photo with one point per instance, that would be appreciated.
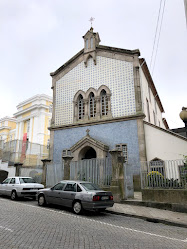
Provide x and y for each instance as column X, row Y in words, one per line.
column 117, row 75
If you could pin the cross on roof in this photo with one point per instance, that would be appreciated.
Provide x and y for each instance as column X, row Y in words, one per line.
column 87, row 131
column 91, row 20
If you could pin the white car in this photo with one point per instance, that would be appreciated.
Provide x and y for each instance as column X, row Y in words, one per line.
column 20, row 187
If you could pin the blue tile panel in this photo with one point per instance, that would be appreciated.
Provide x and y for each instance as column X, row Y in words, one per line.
column 109, row 134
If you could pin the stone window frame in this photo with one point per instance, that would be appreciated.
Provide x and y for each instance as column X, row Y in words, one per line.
column 86, row 98
column 124, row 151
column 157, row 164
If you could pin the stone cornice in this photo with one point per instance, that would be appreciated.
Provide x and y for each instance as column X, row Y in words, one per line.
column 105, row 121
column 119, row 50
column 35, row 98
column 98, row 48
column 166, row 131
column 31, row 108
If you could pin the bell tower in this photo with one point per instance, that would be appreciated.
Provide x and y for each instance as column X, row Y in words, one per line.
column 91, row 41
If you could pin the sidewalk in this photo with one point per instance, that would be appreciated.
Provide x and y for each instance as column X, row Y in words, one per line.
column 150, row 214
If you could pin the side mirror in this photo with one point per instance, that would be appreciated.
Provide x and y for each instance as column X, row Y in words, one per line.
column 52, row 188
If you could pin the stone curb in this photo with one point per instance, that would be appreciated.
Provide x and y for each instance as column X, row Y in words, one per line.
column 154, row 220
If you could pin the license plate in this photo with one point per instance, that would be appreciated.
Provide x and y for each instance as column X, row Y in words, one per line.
column 104, row 197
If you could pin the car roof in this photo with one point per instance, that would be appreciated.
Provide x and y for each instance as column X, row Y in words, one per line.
column 75, row 181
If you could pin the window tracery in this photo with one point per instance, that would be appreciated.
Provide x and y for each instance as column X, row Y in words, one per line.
column 81, row 106
column 94, row 104
column 104, row 103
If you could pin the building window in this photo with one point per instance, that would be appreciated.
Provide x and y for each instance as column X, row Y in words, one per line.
column 123, row 148
column 148, row 113
column 104, row 103
column 91, row 42
column 50, row 108
column 154, row 116
column 149, row 93
column 92, row 105
column 87, row 104
column 81, row 107
column 155, row 107
column 86, row 43
column 157, row 165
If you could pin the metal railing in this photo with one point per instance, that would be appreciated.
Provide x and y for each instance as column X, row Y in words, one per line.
column 170, row 174
column 29, row 154
column 98, row 171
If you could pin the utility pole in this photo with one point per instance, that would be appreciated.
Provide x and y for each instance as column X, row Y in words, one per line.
column 185, row 7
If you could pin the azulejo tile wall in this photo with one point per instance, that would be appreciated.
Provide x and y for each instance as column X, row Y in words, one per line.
column 116, row 74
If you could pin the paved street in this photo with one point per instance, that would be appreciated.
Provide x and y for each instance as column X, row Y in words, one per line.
column 25, row 225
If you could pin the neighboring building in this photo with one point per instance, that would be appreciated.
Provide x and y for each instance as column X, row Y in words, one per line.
column 25, row 138
column 33, row 119
column 180, row 131
column 109, row 93
column 7, row 129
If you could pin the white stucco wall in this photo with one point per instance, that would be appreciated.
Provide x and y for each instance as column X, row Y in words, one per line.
column 117, row 75
column 11, row 169
column 163, row 145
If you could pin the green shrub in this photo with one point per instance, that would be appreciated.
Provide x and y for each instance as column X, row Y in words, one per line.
column 155, row 179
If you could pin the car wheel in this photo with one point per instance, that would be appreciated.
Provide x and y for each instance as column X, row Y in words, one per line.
column 77, row 207
column 41, row 200
column 13, row 195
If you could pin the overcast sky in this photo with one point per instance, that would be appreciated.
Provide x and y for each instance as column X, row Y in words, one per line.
column 38, row 36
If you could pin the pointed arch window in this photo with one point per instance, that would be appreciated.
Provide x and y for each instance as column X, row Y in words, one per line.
column 86, row 43
column 92, row 105
column 80, row 107
column 104, row 103
column 91, row 41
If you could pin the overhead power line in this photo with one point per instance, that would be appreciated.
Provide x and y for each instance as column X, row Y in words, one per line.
column 157, row 35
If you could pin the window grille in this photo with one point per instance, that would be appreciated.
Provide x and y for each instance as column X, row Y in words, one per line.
column 123, row 148
column 81, row 107
column 104, row 103
column 148, row 113
column 92, row 104
column 157, row 165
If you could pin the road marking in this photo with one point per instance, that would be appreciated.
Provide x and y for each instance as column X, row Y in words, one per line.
column 6, row 229
column 103, row 223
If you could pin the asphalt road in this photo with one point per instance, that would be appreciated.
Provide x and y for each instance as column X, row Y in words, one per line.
column 25, row 225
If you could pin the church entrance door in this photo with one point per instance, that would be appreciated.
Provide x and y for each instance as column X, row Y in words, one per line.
column 87, row 153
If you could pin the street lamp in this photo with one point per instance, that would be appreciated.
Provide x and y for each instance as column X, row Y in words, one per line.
column 183, row 116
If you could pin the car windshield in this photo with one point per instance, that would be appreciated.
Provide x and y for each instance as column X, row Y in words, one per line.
column 27, row 180
column 89, row 186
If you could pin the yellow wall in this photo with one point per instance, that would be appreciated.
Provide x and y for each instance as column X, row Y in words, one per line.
column 32, row 130
column 26, row 114
column 46, row 136
column 12, row 125
column 25, row 127
column 48, row 103
column 27, row 106
column 4, row 131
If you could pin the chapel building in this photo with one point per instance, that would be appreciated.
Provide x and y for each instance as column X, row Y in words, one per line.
column 104, row 98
